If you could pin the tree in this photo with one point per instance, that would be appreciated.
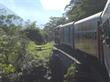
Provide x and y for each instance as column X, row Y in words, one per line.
column 54, row 22
column 78, row 9
column 17, row 61
column 34, row 33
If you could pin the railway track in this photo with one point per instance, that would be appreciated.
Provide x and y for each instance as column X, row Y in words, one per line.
column 86, row 70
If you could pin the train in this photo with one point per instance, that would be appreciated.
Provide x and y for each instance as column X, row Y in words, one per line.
column 90, row 35
column 105, row 27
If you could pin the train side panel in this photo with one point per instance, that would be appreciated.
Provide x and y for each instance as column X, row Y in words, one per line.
column 57, row 35
column 86, row 35
column 66, row 33
column 106, row 35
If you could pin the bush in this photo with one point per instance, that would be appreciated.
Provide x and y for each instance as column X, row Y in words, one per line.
column 36, row 35
column 69, row 76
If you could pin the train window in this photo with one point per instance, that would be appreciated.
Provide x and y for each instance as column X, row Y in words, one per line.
column 95, row 35
column 69, row 34
column 65, row 35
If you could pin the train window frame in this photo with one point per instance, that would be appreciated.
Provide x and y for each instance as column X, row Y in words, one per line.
column 69, row 33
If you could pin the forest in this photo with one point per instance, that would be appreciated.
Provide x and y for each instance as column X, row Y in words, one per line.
column 25, row 49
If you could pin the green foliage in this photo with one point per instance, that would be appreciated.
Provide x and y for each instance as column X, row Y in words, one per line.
column 35, row 34
column 38, row 69
column 70, row 73
column 10, row 21
column 20, row 57
column 78, row 9
column 39, row 51
column 7, row 68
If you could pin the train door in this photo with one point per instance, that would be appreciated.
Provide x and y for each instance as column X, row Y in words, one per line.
column 100, row 43
column 72, row 36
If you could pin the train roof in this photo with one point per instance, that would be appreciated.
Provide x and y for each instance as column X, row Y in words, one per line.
column 87, row 19
column 106, row 6
column 95, row 16
column 106, row 12
column 67, row 24
column 64, row 25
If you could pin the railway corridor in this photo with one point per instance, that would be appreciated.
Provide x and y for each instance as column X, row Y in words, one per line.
column 86, row 71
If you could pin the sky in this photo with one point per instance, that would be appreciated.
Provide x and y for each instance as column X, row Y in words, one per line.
column 36, row 10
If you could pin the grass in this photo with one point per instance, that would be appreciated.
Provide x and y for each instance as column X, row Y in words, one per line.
column 40, row 51
column 45, row 51
column 68, row 77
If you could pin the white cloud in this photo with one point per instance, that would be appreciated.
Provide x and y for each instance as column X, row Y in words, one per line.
column 54, row 4
column 8, row 3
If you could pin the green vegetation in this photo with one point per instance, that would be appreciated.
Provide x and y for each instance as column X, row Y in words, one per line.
column 41, row 52
column 78, row 9
column 24, row 51
column 34, row 33
column 70, row 74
